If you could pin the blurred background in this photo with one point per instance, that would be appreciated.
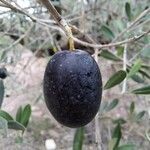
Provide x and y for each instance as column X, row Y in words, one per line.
column 29, row 37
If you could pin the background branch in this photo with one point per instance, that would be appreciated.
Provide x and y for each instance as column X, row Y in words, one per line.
column 145, row 12
column 135, row 38
column 63, row 25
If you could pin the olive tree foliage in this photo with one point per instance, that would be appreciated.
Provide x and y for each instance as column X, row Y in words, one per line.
column 120, row 36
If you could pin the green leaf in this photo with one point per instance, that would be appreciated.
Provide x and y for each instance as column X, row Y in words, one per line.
column 19, row 114
column 134, row 69
column 3, row 55
column 107, row 32
column 1, row 92
column 144, row 66
column 144, row 73
column 118, row 24
column 26, row 113
column 15, row 125
column 78, row 139
column 119, row 121
column 126, row 147
column 132, row 107
column 112, row 105
column 142, row 90
column 115, row 79
column 6, row 115
column 120, row 50
column 117, row 134
column 147, row 133
column 108, row 55
column 112, row 143
column 140, row 115
column 3, row 125
column 137, row 79
column 128, row 11
column 103, row 106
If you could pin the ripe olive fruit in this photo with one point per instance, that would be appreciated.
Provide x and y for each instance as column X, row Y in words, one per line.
column 3, row 73
column 72, row 87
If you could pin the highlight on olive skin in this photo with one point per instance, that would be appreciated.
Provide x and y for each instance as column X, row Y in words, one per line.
column 72, row 87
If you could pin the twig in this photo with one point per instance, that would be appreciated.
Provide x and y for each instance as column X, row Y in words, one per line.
column 82, row 19
column 61, row 22
column 140, row 24
column 124, row 67
column 18, row 9
column 97, row 124
column 52, row 10
column 133, row 23
column 3, row 5
column 147, row 134
column 97, row 133
column 17, row 41
column 98, row 139
column 75, row 30
column 135, row 38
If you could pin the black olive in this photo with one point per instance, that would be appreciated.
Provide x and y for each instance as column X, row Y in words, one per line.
column 73, row 87
column 3, row 73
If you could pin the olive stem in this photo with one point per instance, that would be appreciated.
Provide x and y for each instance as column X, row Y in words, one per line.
column 69, row 33
column 61, row 22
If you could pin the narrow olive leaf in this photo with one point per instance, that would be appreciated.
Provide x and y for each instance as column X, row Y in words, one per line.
column 108, row 55
column 143, row 90
column 15, row 125
column 140, row 115
column 3, row 123
column 1, row 92
column 107, row 32
column 112, row 105
column 147, row 133
column 135, row 68
column 119, row 121
column 137, row 79
column 26, row 113
column 144, row 73
column 128, row 11
column 112, row 143
column 3, row 55
column 120, row 50
column 6, row 115
column 144, row 66
column 19, row 114
column 103, row 106
column 132, row 107
column 115, row 79
column 117, row 134
column 126, row 147
column 78, row 139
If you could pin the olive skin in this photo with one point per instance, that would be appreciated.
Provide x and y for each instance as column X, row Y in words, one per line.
column 72, row 87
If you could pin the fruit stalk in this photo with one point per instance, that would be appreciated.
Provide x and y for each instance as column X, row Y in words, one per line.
column 61, row 22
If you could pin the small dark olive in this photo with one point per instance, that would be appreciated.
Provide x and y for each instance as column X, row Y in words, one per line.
column 3, row 73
